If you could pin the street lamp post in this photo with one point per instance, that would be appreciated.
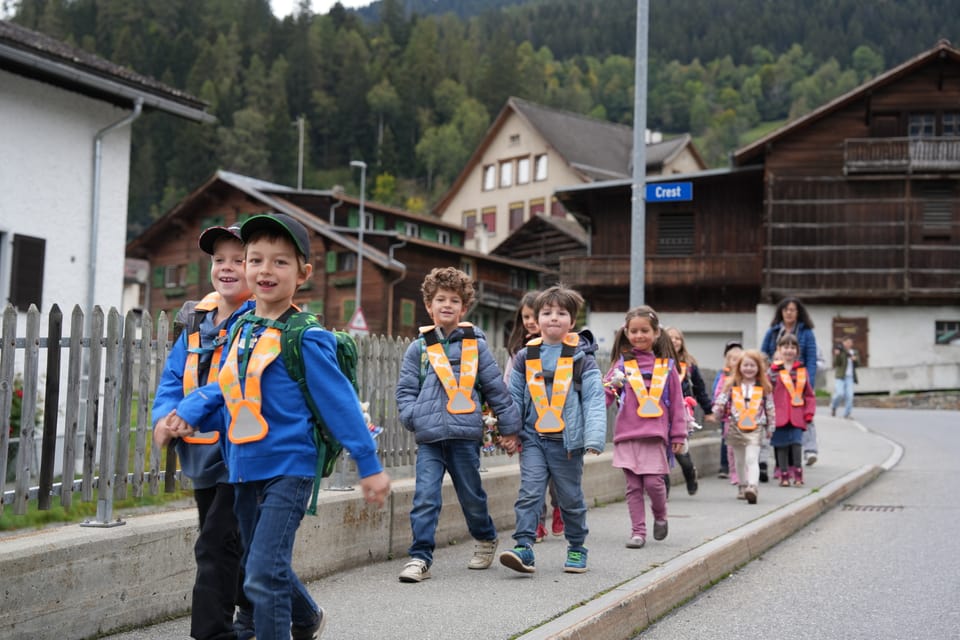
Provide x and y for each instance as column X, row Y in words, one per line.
column 363, row 189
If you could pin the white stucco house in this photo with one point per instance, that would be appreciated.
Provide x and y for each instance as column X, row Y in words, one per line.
column 65, row 119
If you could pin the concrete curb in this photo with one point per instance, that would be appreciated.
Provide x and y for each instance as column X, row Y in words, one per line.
column 635, row 605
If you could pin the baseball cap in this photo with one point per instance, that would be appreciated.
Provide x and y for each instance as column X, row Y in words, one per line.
column 732, row 344
column 208, row 239
column 278, row 222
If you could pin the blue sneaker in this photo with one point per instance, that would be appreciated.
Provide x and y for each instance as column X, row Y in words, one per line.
column 520, row 558
column 576, row 560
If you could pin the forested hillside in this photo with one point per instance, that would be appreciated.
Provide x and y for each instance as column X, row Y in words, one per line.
column 413, row 91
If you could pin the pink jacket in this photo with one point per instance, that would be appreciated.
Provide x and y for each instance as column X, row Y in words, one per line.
column 671, row 426
column 788, row 414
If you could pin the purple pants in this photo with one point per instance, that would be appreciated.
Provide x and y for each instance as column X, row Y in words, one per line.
column 654, row 486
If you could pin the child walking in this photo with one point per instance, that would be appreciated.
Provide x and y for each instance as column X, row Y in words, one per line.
column 694, row 392
column 269, row 443
column 525, row 329
column 796, row 405
column 438, row 399
column 561, row 421
column 746, row 402
column 731, row 355
column 651, row 419
column 195, row 360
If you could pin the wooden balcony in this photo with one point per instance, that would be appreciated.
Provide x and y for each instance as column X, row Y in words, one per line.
column 901, row 155
column 697, row 270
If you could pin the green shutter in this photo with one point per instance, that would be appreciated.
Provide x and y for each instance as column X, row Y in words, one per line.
column 158, row 277
column 331, row 261
column 380, row 223
column 407, row 310
column 193, row 273
column 428, row 233
column 401, row 227
column 349, row 306
column 457, row 240
column 353, row 218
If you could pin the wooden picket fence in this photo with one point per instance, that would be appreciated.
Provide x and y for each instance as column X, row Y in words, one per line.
column 121, row 361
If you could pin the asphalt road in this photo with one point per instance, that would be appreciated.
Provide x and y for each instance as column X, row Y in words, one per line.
column 884, row 564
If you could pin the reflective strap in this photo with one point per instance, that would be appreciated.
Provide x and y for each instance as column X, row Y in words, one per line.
column 246, row 421
column 795, row 390
column 459, row 393
column 746, row 414
column 550, row 412
column 648, row 402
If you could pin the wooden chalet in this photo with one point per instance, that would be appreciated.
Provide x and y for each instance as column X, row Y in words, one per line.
column 399, row 249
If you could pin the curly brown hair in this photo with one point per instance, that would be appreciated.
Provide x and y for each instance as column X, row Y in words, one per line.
column 451, row 279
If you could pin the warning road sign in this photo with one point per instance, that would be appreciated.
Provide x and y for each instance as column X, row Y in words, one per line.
column 358, row 324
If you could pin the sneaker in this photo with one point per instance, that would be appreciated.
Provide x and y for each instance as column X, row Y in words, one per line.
column 810, row 458
column 659, row 529
column 636, row 542
column 833, row 412
column 724, row 474
column 763, row 472
column 741, row 493
column 541, row 533
column 415, row 571
column 520, row 558
column 751, row 495
column 576, row 560
column 785, row 480
column 483, row 552
column 311, row 632
column 243, row 625
column 557, row 526
column 692, row 484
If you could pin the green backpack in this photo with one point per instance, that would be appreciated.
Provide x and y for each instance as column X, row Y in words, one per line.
column 292, row 326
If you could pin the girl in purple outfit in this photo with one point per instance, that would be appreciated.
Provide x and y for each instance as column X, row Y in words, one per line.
column 651, row 419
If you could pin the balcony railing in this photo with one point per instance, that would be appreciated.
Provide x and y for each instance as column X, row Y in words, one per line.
column 901, row 155
column 701, row 270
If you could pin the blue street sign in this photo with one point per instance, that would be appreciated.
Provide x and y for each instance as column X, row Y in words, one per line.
column 669, row 192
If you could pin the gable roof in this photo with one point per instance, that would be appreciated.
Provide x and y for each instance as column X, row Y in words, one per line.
column 755, row 151
column 40, row 57
column 542, row 239
column 595, row 149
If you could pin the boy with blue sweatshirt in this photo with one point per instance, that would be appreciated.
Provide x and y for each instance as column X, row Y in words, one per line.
column 564, row 416
column 270, row 450
column 195, row 360
column 442, row 376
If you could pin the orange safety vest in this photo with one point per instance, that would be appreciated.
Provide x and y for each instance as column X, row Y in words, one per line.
column 191, row 379
column 550, row 411
column 747, row 414
column 459, row 392
column 795, row 390
column 246, row 420
column 648, row 402
column 683, row 371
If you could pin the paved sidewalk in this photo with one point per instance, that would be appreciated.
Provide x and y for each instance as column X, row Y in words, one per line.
column 711, row 533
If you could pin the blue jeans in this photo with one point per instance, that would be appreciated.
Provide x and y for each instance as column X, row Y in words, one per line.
column 843, row 390
column 540, row 460
column 461, row 459
column 269, row 513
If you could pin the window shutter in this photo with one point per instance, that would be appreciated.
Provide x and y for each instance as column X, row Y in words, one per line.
column 193, row 273
column 26, row 275
column 331, row 261
column 158, row 277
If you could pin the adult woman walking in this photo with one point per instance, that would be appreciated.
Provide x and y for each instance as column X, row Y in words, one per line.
column 792, row 317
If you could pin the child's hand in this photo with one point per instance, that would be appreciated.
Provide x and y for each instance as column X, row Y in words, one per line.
column 593, row 451
column 510, row 444
column 712, row 419
column 677, row 447
column 616, row 379
column 376, row 488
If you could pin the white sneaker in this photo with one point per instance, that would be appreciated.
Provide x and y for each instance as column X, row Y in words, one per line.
column 415, row 571
column 483, row 554
column 810, row 458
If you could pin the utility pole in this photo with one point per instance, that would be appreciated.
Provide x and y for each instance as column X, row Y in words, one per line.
column 638, row 217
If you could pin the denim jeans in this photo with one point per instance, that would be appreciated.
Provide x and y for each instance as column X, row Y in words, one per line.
column 269, row 513
column 218, row 553
column 461, row 459
column 540, row 460
column 843, row 391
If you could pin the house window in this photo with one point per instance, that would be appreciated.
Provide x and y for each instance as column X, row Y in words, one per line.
column 506, row 174
column 922, row 125
column 937, row 201
column 346, row 261
column 408, row 310
column 467, row 267
column 514, row 139
column 675, row 234
column 411, row 229
column 470, row 223
column 171, row 276
column 489, row 177
column 556, row 208
column 26, row 271
column 490, row 220
column 443, row 237
column 947, row 332
column 518, row 279
column 516, row 215
column 536, row 207
column 951, row 125
column 540, row 168
column 523, row 171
